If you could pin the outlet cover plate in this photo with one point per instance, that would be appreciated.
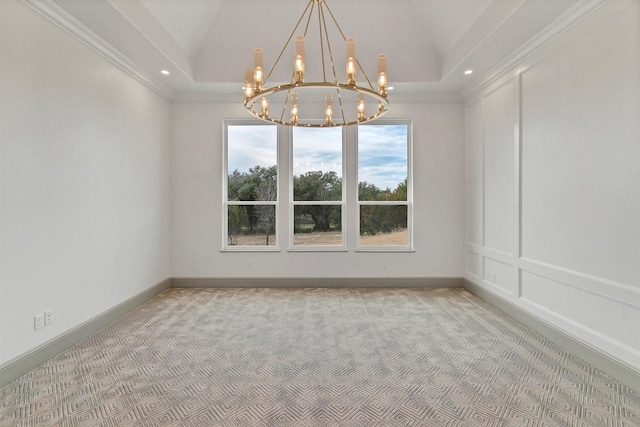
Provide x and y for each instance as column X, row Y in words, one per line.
column 38, row 321
column 48, row 317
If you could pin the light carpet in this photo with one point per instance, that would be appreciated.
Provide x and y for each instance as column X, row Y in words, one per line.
column 317, row 357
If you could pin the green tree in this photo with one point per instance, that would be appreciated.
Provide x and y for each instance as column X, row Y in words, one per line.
column 400, row 193
column 376, row 219
column 319, row 186
column 368, row 192
column 266, row 214
column 237, row 217
column 258, row 184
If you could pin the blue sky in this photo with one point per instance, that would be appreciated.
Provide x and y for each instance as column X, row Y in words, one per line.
column 317, row 149
column 252, row 146
column 382, row 151
column 382, row 155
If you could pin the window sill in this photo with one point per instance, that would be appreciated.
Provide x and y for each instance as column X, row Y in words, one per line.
column 318, row 249
column 250, row 249
column 405, row 250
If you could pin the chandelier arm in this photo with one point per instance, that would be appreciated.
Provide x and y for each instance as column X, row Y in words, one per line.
column 284, row 105
column 335, row 21
column 344, row 120
column 333, row 66
column 306, row 28
column 288, row 40
column 364, row 74
column 320, row 18
column 326, row 34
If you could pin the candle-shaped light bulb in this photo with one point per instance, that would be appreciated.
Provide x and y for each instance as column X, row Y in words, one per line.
column 360, row 107
column 258, row 79
column 264, row 103
column 382, row 75
column 351, row 61
column 248, row 83
column 329, row 109
column 294, row 108
column 258, row 75
column 298, row 66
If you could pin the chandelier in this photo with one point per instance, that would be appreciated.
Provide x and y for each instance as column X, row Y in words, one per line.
column 319, row 103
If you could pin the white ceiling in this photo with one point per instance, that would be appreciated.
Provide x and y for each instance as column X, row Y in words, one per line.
column 205, row 44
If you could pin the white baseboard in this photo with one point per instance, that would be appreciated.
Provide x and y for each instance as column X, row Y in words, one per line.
column 625, row 374
column 316, row 282
column 24, row 363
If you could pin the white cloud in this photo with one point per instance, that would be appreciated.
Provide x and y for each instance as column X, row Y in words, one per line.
column 382, row 155
column 317, row 150
column 382, row 151
column 251, row 146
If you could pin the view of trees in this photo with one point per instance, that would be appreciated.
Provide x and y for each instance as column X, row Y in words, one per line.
column 376, row 219
column 260, row 184
column 318, row 186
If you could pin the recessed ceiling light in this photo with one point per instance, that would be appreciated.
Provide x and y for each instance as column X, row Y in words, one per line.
column 390, row 88
column 467, row 72
column 165, row 72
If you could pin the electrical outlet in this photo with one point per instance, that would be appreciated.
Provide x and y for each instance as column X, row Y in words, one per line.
column 385, row 265
column 38, row 321
column 250, row 265
column 48, row 317
column 493, row 276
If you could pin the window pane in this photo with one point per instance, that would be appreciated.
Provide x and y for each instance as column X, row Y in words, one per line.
column 382, row 162
column 383, row 225
column 319, row 225
column 252, row 159
column 317, row 164
column 251, row 225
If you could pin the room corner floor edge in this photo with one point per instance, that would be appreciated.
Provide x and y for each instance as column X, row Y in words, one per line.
column 24, row 363
column 615, row 369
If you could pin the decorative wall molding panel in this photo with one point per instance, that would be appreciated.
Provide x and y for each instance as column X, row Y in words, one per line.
column 623, row 372
column 602, row 288
column 499, row 274
column 571, row 260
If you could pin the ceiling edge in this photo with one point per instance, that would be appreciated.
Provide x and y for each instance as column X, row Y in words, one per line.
column 573, row 16
column 63, row 20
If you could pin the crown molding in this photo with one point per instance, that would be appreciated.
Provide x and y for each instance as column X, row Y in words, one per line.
column 578, row 13
column 63, row 20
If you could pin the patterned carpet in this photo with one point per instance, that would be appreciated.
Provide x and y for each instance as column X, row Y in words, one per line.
column 317, row 357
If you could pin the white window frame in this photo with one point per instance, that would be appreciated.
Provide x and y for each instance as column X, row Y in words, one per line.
column 225, row 188
column 342, row 203
column 409, row 202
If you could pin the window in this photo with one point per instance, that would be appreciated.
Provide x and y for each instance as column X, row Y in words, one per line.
column 317, row 195
column 384, row 187
column 251, row 190
column 342, row 186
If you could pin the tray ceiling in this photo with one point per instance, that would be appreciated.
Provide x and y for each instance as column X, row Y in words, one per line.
column 205, row 44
